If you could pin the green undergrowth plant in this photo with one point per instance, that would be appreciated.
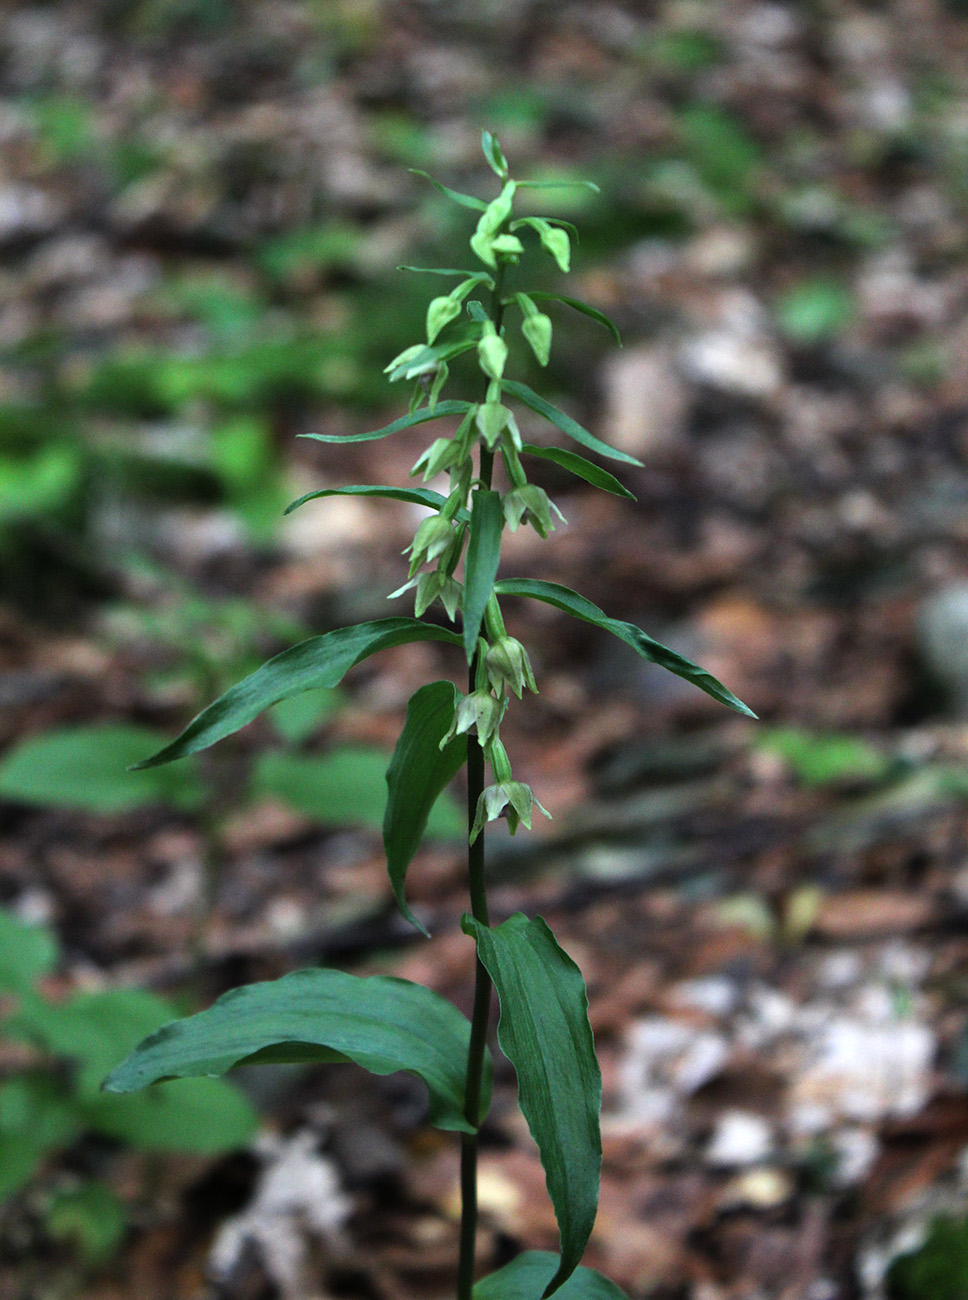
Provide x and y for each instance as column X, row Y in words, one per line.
column 50, row 1095
column 387, row 1024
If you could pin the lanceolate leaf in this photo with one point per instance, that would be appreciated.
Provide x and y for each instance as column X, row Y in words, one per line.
column 483, row 557
column 553, row 593
column 380, row 1023
column 586, row 310
column 450, row 270
column 565, row 423
column 559, row 185
column 465, row 200
column 320, row 661
column 418, row 773
column 405, row 422
column 415, row 496
column 578, row 465
column 545, row 1034
column 526, row 1277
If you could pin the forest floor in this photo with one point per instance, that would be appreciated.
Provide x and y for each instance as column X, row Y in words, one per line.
column 771, row 917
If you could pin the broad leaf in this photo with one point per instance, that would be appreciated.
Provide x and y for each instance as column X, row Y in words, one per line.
column 481, row 563
column 93, row 1031
column 545, row 1034
column 320, row 661
column 526, row 1277
column 27, row 953
column 414, row 496
column 577, row 304
column 417, row 775
column 90, row 1217
column 87, row 768
column 553, row 593
column 378, row 1022
column 465, row 200
column 201, row 1116
column 581, row 467
column 36, row 1117
column 346, row 787
column 405, row 422
column 565, row 423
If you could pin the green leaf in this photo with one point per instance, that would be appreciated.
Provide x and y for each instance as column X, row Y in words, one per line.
column 824, row 759
column 414, row 496
column 480, row 566
column 91, row 1217
column 465, row 200
column 450, row 270
column 93, row 1031
column 545, row 1034
column 565, row 423
column 581, row 467
column 577, row 304
column 494, row 155
column 560, row 185
column 201, row 1116
column 418, row 773
column 345, row 788
column 87, row 768
column 36, row 1117
column 27, row 953
column 553, row 593
column 404, row 422
column 298, row 717
column 527, row 1276
column 21, row 1156
column 320, row 661
column 816, row 310
column 378, row 1022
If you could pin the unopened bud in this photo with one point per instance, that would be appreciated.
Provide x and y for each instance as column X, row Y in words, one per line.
column 441, row 312
column 537, row 330
column 492, row 353
column 507, row 664
column 432, row 539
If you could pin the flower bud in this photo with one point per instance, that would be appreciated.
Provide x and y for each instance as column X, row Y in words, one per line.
column 507, row 664
column 441, row 312
column 507, row 246
column 491, row 419
column 537, row 330
column 492, row 353
column 432, row 539
column 555, row 241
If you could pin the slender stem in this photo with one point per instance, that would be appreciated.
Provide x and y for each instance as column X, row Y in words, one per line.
column 482, row 981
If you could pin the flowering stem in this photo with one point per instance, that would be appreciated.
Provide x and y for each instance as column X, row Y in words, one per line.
column 482, row 981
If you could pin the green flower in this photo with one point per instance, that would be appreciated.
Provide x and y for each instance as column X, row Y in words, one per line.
column 507, row 664
column 532, row 505
column 514, row 796
column 481, row 712
column 435, row 537
column 443, row 453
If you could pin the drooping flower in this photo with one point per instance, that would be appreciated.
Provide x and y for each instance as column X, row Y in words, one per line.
column 514, row 796
column 507, row 664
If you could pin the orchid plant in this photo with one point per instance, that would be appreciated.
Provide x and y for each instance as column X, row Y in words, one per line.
column 386, row 1024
